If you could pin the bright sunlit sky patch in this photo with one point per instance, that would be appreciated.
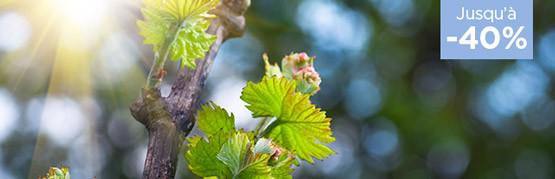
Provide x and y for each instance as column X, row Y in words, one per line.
column 15, row 31
column 118, row 47
column 227, row 95
column 64, row 120
column 82, row 13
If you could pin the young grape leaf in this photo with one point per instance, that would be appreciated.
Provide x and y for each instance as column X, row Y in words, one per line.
column 234, row 152
column 202, row 156
column 212, row 119
column 300, row 126
column 240, row 156
column 257, row 169
column 282, row 168
column 179, row 24
column 266, row 98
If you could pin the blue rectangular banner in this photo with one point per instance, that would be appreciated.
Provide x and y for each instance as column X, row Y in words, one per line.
column 491, row 29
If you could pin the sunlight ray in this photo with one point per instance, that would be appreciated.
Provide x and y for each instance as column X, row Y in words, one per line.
column 36, row 46
column 70, row 77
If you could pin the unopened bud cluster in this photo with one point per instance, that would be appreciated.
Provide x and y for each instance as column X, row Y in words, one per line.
column 298, row 67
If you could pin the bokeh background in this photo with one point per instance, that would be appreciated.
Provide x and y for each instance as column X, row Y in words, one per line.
column 70, row 68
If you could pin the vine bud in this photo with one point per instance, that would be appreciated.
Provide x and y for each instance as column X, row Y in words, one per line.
column 299, row 67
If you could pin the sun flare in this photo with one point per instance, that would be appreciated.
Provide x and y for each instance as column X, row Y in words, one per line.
column 82, row 13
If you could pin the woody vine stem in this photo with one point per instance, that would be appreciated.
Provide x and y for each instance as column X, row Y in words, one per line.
column 167, row 119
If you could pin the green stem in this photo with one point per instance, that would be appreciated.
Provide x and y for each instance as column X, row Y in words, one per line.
column 155, row 74
column 260, row 126
column 268, row 128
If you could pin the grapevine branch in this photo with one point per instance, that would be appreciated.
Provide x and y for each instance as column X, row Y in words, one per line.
column 169, row 118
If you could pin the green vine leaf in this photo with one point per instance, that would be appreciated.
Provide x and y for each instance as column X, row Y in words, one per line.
column 213, row 119
column 282, row 167
column 202, row 156
column 299, row 125
column 234, row 152
column 258, row 169
column 180, row 25
column 266, row 98
column 232, row 155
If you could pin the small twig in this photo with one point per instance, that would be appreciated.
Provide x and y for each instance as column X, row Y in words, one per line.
column 157, row 72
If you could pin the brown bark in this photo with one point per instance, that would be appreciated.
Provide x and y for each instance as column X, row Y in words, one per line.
column 166, row 119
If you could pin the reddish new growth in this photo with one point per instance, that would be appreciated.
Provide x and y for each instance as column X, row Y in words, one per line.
column 299, row 66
